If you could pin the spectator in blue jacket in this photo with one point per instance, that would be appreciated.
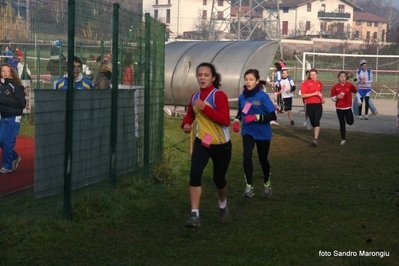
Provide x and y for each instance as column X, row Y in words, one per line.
column 79, row 81
column 7, row 53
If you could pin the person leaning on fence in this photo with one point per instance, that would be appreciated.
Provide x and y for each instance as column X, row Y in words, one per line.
column 256, row 111
column 21, row 64
column 53, row 65
column 341, row 94
column 12, row 102
column 364, row 77
column 102, row 81
column 128, row 71
column 312, row 93
column 210, row 109
column 86, row 70
column 79, row 81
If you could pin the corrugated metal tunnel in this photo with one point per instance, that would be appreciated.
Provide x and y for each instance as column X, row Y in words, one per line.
column 231, row 60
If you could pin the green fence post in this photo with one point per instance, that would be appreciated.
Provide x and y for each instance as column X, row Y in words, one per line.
column 102, row 51
column 81, row 52
column 69, row 112
column 114, row 100
column 121, row 61
column 38, row 85
column 60, row 70
column 147, row 69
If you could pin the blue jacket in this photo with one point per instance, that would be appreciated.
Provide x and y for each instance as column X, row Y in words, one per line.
column 83, row 84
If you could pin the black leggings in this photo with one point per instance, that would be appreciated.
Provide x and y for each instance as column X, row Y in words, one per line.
column 315, row 112
column 344, row 117
column 366, row 108
column 263, row 152
column 220, row 155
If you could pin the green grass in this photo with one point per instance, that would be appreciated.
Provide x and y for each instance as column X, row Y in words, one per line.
column 343, row 198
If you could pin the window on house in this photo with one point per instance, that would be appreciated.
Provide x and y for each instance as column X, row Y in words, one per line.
column 323, row 8
column 156, row 2
column 375, row 35
column 368, row 35
column 358, row 23
column 204, row 2
column 204, row 14
column 285, row 9
column 220, row 14
column 307, row 25
column 220, row 3
column 167, row 15
column 375, row 24
column 285, row 28
column 323, row 26
column 357, row 34
column 341, row 8
column 309, row 7
column 168, row 2
column 369, row 24
column 156, row 13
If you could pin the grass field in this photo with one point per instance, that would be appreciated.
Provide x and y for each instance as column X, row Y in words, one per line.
column 332, row 198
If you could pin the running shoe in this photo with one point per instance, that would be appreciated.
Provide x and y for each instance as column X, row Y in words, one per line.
column 5, row 171
column 249, row 192
column 342, row 142
column 193, row 221
column 15, row 163
column 375, row 112
column 314, row 142
column 267, row 191
column 224, row 214
column 366, row 117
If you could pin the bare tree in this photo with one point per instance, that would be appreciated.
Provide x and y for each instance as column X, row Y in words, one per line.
column 382, row 8
column 201, row 26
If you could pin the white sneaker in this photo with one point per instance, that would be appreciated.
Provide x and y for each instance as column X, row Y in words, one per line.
column 366, row 117
column 342, row 142
column 360, row 117
column 305, row 124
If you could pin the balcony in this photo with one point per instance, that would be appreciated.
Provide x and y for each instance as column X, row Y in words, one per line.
column 333, row 16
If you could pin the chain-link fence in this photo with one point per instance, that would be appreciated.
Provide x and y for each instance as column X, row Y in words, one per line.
column 70, row 138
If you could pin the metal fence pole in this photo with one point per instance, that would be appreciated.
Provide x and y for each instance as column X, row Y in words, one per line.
column 69, row 112
column 147, row 68
column 114, row 100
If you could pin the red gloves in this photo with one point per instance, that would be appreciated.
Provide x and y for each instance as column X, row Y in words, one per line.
column 236, row 126
column 250, row 118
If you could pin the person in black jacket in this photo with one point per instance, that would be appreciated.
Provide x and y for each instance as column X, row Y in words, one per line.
column 12, row 103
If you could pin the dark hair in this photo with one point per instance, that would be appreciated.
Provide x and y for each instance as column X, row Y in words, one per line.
column 128, row 61
column 278, row 66
column 77, row 60
column 217, row 76
column 313, row 70
column 254, row 72
column 342, row 72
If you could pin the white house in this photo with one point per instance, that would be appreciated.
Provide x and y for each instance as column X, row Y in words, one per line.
column 313, row 18
column 329, row 18
column 182, row 15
